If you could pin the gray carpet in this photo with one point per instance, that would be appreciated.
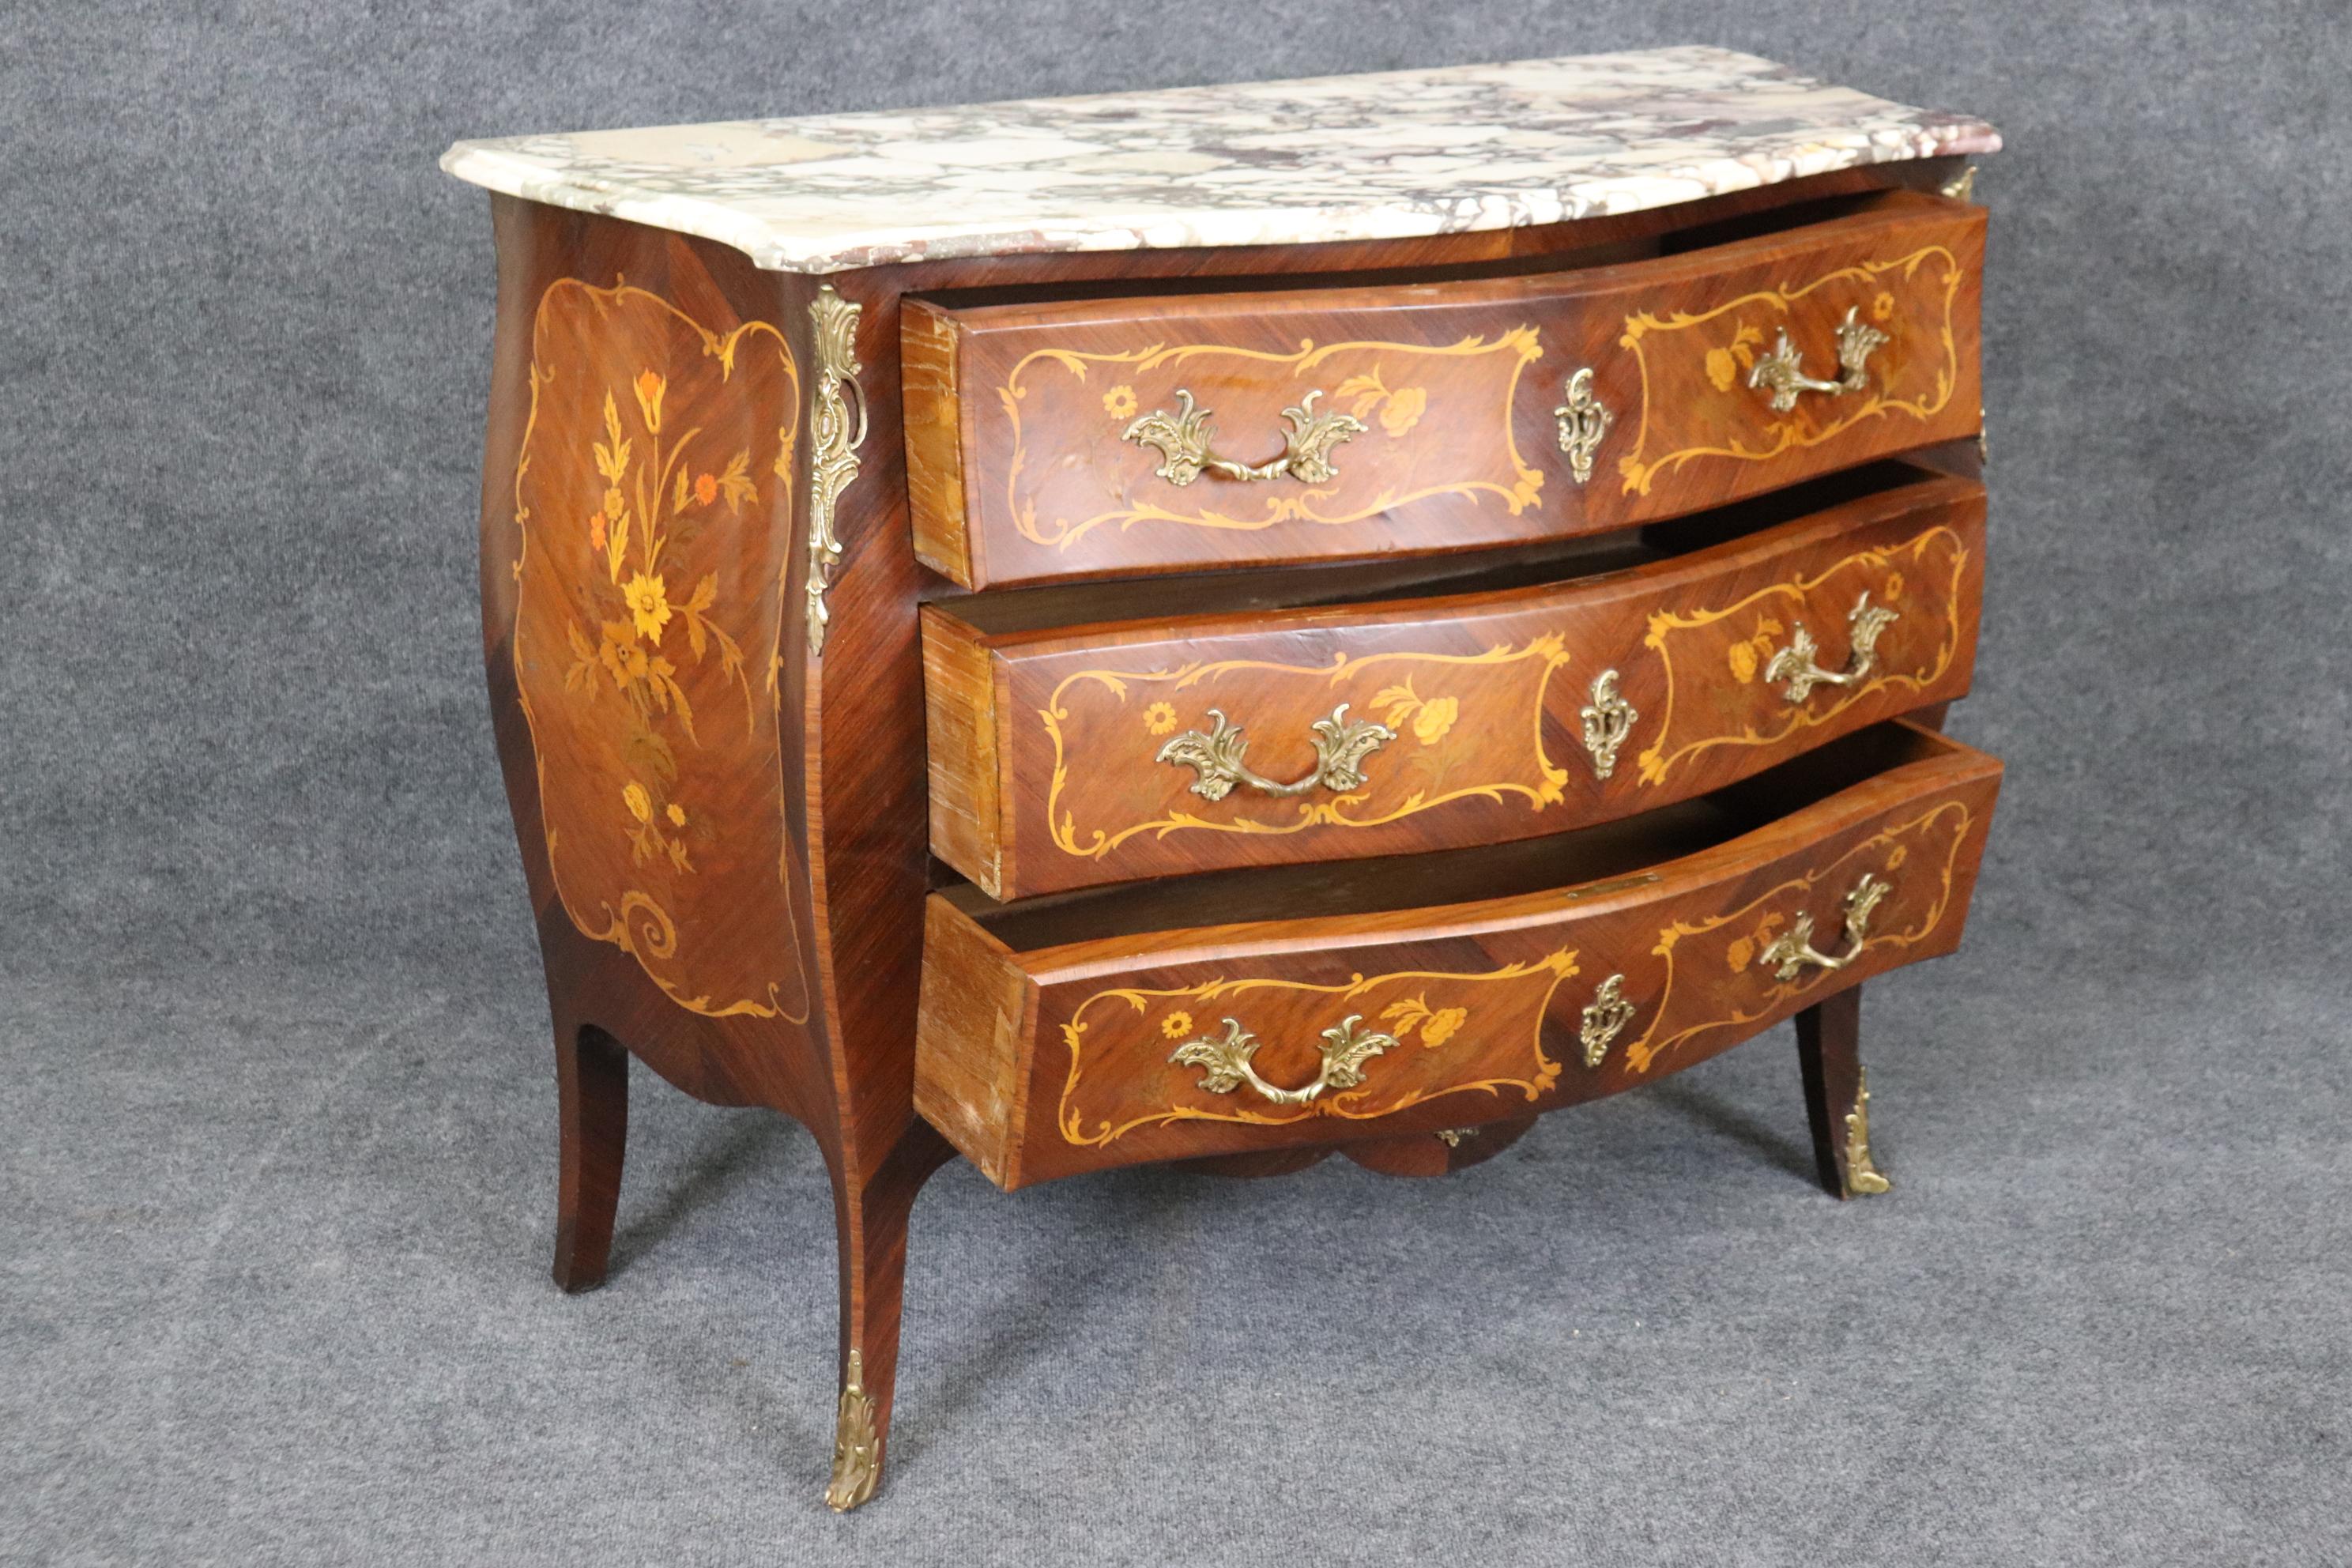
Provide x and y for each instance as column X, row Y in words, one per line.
column 276, row 1120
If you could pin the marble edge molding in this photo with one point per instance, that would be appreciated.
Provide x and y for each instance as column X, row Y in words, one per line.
column 1211, row 166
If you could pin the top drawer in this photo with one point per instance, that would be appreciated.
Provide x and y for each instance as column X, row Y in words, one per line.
column 1094, row 438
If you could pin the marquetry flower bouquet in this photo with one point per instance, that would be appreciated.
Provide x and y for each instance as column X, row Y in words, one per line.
column 654, row 498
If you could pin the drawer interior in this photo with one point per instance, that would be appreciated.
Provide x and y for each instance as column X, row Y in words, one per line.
column 1638, row 237
column 1591, row 859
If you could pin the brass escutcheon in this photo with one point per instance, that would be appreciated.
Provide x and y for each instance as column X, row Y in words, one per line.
column 1608, row 719
column 1583, row 421
column 1603, row 1019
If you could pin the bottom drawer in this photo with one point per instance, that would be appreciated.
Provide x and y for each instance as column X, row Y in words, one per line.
column 1265, row 1009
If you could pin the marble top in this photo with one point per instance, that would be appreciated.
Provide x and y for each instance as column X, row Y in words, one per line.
column 1391, row 155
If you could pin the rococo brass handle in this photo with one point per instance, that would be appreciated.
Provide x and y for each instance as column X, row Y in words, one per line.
column 1341, row 745
column 1787, row 954
column 1795, row 666
column 1181, row 439
column 1226, row 1061
column 1782, row 372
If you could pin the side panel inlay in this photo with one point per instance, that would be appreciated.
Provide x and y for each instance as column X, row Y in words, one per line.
column 651, row 582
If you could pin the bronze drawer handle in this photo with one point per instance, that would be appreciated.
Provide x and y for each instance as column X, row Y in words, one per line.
column 1794, row 664
column 1341, row 745
column 1782, row 372
column 1181, row 439
column 1787, row 954
column 1226, row 1061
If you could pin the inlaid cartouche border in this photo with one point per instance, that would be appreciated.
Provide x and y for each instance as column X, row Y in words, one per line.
column 1558, row 967
column 640, row 926
column 1525, row 340
column 1656, row 764
column 1640, row 476
column 1550, row 648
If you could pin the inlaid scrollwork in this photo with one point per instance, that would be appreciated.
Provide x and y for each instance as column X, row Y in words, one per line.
column 649, row 602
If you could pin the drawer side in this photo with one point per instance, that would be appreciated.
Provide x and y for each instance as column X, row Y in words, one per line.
column 961, row 708
column 975, row 1010
column 935, row 440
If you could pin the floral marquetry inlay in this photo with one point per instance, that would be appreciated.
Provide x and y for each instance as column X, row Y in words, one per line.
column 650, row 582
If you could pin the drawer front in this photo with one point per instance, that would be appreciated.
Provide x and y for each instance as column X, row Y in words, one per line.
column 1219, row 1039
column 1112, row 752
column 1095, row 437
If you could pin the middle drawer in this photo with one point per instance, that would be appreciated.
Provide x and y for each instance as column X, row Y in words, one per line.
column 1065, row 757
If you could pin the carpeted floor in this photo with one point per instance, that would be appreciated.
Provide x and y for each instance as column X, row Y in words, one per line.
column 276, row 1155
column 285, row 1302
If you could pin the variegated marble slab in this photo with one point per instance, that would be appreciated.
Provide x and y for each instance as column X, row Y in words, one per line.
column 1287, row 162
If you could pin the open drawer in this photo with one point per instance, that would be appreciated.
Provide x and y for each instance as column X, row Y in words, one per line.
column 1552, row 694
column 1265, row 1009
column 1092, row 437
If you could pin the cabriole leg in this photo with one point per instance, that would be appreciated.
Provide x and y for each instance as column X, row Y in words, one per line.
column 1837, row 1094
column 592, row 1073
column 872, row 1221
